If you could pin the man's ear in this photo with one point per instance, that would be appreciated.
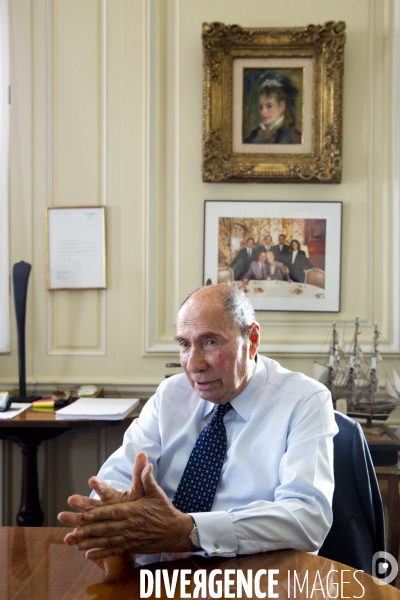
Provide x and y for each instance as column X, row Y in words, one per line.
column 254, row 339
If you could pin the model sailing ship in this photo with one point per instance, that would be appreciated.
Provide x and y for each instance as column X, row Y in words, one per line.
column 354, row 377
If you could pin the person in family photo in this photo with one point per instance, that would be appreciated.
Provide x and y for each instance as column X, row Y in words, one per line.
column 257, row 269
column 298, row 262
column 266, row 246
column 282, row 250
column 276, row 106
column 243, row 259
column 275, row 271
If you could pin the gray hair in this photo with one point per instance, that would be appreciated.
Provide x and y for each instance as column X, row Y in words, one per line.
column 240, row 308
column 237, row 304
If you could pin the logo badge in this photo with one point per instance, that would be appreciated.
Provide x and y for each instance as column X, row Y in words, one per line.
column 384, row 568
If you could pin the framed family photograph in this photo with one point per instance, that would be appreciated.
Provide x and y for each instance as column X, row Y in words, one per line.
column 272, row 103
column 286, row 256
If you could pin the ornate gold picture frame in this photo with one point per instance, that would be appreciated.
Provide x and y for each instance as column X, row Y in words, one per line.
column 272, row 103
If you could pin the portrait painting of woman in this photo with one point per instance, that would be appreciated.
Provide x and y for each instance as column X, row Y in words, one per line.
column 272, row 102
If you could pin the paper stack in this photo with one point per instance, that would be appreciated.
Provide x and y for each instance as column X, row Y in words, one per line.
column 15, row 409
column 103, row 409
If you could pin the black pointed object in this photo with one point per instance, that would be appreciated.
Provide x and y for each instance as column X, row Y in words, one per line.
column 20, row 277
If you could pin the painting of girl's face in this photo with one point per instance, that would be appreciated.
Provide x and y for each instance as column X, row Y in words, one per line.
column 272, row 99
column 270, row 109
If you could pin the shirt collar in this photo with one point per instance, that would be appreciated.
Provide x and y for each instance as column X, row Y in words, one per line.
column 274, row 125
column 243, row 404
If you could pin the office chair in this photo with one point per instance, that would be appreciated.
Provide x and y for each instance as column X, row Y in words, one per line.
column 358, row 528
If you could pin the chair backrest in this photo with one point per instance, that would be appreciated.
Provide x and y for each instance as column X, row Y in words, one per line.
column 358, row 528
column 315, row 277
column 305, row 250
column 225, row 274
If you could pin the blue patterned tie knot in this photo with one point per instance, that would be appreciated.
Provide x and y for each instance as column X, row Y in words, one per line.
column 219, row 411
column 197, row 487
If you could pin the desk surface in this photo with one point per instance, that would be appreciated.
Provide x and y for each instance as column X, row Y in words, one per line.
column 35, row 564
column 32, row 418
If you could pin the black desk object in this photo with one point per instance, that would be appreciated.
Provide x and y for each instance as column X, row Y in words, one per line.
column 20, row 278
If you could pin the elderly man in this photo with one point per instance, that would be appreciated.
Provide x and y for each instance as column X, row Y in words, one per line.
column 232, row 457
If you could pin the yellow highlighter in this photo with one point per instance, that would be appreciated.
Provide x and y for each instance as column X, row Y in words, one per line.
column 48, row 404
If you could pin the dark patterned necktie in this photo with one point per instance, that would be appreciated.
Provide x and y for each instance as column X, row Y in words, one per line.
column 197, row 487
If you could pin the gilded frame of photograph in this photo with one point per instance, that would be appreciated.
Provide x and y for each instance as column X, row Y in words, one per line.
column 272, row 103
column 76, row 247
column 285, row 256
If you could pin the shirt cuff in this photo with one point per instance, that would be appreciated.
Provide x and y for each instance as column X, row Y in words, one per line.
column 117, row 485
column 216, row 533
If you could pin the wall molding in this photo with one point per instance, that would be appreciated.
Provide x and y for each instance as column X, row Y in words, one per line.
column 152, row 171
column 154, row 344
column 123, row 390
column 53, row 349
column 155, row 195
column 5, row 89
column 395, row 169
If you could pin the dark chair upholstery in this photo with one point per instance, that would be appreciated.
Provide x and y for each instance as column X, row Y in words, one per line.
column 358, row 529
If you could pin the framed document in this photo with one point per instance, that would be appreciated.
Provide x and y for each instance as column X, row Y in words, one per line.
column 76, row 247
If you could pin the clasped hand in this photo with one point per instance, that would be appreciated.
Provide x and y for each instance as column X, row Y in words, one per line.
column 140, row 520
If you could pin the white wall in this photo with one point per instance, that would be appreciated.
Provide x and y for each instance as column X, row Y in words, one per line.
column 107, row 109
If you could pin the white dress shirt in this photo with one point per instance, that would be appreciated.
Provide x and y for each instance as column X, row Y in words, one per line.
column 276, row 484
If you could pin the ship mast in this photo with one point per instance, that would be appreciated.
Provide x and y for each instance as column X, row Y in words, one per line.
column 373, row 375
column 332, row 359
column 351, row 384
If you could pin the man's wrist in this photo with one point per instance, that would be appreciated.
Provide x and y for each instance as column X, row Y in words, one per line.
column 185, row 544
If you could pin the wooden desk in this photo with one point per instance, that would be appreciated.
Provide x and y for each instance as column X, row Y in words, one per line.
column 29, row 429
column 35, row 564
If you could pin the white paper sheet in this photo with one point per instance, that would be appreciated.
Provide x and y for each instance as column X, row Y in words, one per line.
column 107, row 409
column 16, row 409
column 76, row 248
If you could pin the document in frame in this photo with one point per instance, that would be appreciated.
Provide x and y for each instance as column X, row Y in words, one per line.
column 76, row 250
